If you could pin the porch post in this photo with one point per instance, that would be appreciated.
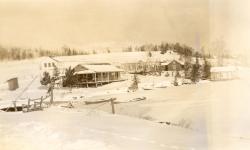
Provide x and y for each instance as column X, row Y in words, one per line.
column 87, row 76
column 108, row 76
column 101, row 76
column 95, row 80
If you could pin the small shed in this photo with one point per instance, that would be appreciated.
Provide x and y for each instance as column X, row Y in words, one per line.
column 13, row 84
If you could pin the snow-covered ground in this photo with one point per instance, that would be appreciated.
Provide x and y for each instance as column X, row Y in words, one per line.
column 216, row 114
column 57, row 129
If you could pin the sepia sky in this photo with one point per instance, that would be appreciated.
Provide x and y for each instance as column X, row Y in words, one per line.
column 114, row 23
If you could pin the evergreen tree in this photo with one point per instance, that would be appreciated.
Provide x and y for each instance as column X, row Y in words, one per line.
column 195, row 74
column 46, row 79
column 135, row 83
column 187, row 69
column 70, row 78
column 206, row 69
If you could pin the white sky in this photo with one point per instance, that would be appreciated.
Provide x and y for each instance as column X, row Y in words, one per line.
column 114, row 23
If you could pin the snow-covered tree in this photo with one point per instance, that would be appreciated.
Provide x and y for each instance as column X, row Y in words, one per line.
column 135, row 82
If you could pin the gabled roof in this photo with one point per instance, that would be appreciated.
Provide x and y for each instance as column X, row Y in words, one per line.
column 170, row 61
column 53, row 58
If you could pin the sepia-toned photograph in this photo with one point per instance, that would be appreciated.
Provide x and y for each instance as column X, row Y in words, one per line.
column 124, row 75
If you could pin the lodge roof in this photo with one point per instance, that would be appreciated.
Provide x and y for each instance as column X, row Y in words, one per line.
column 115, row 58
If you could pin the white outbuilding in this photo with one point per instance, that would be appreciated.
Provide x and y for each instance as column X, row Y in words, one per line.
column 223, row 73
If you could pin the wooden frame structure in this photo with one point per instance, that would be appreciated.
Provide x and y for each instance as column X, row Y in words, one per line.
column 87, row 75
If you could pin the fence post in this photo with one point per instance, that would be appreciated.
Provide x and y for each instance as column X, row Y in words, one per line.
column 28, row 107
column 51, row 95
column 41, row 103
column 112, row 105
column 14, row 103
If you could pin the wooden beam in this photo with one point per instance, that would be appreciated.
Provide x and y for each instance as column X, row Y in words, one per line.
column 101, row 78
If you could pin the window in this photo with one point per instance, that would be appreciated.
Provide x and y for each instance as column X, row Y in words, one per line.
column 49, row 64
column 45, row 65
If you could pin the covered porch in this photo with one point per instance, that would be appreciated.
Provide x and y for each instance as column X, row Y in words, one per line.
column 92, row 75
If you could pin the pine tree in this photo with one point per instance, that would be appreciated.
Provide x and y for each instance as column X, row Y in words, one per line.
column 135, row 83
column 187, row 69
column 195, row 74
column 206, row 69
column 69, row 79
column 46, row 79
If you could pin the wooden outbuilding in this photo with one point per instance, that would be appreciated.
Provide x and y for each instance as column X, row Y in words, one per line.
column 174, row 65
column 13, row 84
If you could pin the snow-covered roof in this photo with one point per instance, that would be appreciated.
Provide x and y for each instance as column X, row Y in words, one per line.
column 223, row 69
column 97, row 68
column 116, row 57
column 103, row 68
column 84, row 72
